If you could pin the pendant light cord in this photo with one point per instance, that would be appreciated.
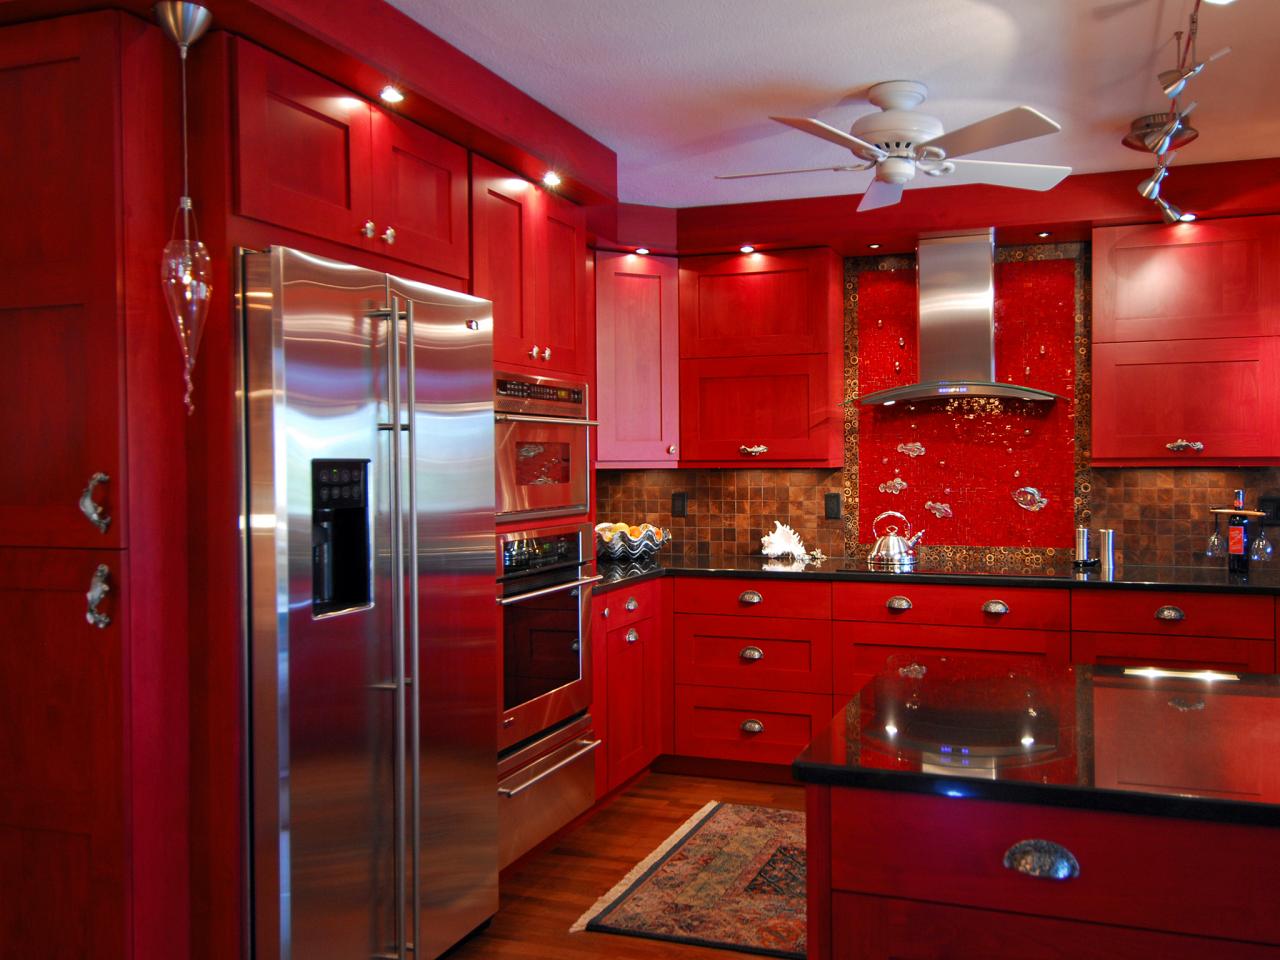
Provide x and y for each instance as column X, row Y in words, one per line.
column 186, row 185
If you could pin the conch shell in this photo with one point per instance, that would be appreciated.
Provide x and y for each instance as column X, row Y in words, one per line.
column 783, row 542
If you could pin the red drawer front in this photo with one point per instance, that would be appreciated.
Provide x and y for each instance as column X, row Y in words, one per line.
column 860, row 650
column 883, row 928
column 709, row 723
column 1203, row 614
column 1028, row 608
column 778, row 598
column 1153, row 872
column 759, row 653
column 1175, row 653
column 628, row 604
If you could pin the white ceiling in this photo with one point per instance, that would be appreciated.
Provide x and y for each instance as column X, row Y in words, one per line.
column 682, row 89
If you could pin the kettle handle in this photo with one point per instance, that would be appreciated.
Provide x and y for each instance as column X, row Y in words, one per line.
column 890, row 513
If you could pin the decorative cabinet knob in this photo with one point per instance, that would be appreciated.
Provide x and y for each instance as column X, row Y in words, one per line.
column 750, row 596
column 751, row 653
column 671, row 449
column 1183, row 446
column 605, row 613
column 632, row 603
column 546, row 353
column 997, row 607
column 389, row 235
column 754, row 450
column 533, row 354
column 369, row 229
column 92, row 510
column 1042, row 859
column 1182, row 705
column 752, row 727
column 1171, row 613
column 898, row 603
column 99, row 587
column 631, row 636
column 473, row 324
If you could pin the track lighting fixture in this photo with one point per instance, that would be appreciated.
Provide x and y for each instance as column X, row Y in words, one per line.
column 1172, row 214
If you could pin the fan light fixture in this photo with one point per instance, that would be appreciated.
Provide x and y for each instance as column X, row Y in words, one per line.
column 551, row 179
column 389, row 94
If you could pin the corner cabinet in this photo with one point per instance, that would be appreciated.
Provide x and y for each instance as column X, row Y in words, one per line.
column 637, row 360
column 1186, row 343
column 530, row 259
column 761, row 359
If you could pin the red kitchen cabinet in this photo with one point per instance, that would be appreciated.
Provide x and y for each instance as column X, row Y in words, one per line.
column 1173, row 652
column 753, row 652
column 1187, row 402
column 1193, row 281
column 631, row 739
column 1027, row 608
column 530, row 255
column 637, row 360
column 753, row 597
column 755, row 726
column 312, row 157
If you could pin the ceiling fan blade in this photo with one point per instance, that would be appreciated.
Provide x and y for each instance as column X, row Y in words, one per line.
column 1020, row 123
column 880, row 194
column 1023, row 176
column 779, row 173
column 817, row 128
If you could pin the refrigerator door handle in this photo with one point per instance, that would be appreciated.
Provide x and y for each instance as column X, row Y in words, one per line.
column 397, row 606
column 415, row 780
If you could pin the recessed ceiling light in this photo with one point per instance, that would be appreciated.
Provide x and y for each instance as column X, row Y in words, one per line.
column 873, row 246
column 643, row 251
column 1042, row 234
column 747, row 248
column 1220, row 3
column 551, row 179
column 390, row 94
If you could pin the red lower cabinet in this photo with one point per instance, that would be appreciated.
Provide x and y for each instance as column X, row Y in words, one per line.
column 631, row 736
column 752, row 725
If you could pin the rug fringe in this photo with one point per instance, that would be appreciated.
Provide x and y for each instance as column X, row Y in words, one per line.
column 635, row 872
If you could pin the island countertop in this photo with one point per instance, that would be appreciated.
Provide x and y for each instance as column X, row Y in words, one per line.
column 1199, row 745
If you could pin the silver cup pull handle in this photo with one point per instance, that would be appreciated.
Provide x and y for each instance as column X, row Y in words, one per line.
column 1170, row 612
column 997, row 607
column 898, row 603
column 750, row 596
column 752, row 727
column 91, row 509
column 99, row 587
column 1042, row 859
column 751, row 653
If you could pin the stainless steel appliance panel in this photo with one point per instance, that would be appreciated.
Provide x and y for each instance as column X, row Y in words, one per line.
column 542, row 446
column 454, row 662
column 322, row 706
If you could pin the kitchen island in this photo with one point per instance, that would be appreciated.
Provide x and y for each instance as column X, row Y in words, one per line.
column 1083, row 812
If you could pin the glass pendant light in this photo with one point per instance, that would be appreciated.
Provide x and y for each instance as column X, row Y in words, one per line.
column 185, row 270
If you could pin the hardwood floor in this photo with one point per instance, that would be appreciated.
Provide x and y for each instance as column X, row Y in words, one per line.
column 545, row 894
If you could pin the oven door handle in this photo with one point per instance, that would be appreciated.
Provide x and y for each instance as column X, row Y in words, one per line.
column 586, row 745
column 538, row 418
column 545, row 591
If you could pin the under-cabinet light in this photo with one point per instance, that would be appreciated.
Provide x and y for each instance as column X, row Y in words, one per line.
column 551, row 179
column 643, row 251
column 747, row 248
column 390, row 94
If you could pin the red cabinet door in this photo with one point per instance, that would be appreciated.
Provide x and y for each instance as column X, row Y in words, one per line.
column 420, row 193
column 1221, row 394
column 62, row 820
column 637, row 360
column 761, row 653
column 632, row 736
column 741, row 411
column 302, row 149
column 760, row 304
column 506, row 213
column 1204, row 280
column 564, row 331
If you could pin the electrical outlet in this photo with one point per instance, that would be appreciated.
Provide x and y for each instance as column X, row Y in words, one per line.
column 831, row 506
column 679, row 504
column 1271, row 507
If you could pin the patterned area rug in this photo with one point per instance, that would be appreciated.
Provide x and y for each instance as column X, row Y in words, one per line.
column 732, row 876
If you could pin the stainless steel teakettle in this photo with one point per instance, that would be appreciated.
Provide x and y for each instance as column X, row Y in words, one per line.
column 891, row 551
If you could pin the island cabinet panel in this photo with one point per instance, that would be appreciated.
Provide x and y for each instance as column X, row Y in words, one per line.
column 888, row 928
column 1163, row 874
column 753, row 597
column 752, row 725
column 637, row 360
column 1021, row 608
column 762, row 653
column 1174, row 613
column 1213, row 278
column 861, row 650
column 1174, row 652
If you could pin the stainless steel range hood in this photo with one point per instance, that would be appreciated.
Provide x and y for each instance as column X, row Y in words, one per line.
column 956, row 283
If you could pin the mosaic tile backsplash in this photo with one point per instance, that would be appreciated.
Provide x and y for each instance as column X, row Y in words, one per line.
column 1159, row 515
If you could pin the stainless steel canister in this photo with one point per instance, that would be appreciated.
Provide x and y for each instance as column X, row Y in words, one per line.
column 1107, row 552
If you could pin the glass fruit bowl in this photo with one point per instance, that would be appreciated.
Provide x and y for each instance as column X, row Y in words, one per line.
column 622, row 541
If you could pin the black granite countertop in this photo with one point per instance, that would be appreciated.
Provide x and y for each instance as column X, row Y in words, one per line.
column 1195, row 745
column 1263, row 578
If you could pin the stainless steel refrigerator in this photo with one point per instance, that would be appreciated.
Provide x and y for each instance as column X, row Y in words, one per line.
column 372, row 620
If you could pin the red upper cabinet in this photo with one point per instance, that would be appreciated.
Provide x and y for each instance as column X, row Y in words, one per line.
column 637, row 360
column 420, row 195
column 531, row 261
column 1191, row 281
column 312, row 157
column 760, row 304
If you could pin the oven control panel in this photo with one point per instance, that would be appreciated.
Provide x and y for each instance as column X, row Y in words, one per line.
column 532, row 394
column 529, row 554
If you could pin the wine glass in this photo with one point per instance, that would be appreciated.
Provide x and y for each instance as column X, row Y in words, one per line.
column 1260, row 550
column 1215, row 547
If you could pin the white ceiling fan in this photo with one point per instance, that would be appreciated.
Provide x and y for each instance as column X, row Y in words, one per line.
column 899, row 141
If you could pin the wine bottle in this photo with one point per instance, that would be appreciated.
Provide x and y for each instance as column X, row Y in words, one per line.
column 1238, row 538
